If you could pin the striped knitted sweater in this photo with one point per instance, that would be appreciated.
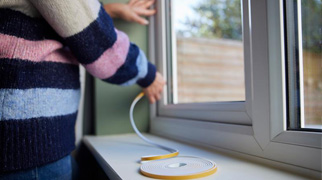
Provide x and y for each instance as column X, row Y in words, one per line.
column 42, row 42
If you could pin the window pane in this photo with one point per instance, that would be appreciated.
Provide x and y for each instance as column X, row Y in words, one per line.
column 312, row 62
column 208, row 64
column 304, row 64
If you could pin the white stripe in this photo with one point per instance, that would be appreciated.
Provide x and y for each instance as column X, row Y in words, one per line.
column 68, row 17
column 38, row 102
column 20, row 5
column 142, row 65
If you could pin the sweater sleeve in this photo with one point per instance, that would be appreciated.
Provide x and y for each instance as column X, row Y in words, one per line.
column 103, row 50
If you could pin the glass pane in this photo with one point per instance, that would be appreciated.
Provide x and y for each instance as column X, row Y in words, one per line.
column 208, row 51
column 312, row 62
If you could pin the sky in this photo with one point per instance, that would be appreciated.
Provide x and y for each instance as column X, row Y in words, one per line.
column 182, row 9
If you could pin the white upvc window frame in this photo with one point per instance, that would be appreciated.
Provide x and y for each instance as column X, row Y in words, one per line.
column 225, row 112
column 255, row 127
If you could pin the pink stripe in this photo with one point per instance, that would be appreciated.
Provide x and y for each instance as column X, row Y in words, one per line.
column 112, row 59
column 37, row 51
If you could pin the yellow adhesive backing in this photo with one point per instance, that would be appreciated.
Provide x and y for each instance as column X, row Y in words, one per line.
column 171, row 166
column 179, row 168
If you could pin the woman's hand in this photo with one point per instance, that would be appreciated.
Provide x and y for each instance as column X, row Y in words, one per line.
column 132, row 11
column 154, row 91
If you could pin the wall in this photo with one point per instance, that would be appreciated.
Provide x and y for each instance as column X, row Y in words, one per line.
column 112, row 103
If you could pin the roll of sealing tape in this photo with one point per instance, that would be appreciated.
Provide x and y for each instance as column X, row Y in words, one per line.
column 171, row 166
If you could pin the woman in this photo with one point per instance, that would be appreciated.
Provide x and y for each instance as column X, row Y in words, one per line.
column 41, row 45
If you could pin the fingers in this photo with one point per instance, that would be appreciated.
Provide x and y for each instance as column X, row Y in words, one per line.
column 149, row 3
column 154, row 91
column 141, row 7
column 150, row 95
column 158, row 96
column 152, row 100
column 153, row 97
column 139, row 3
column 138, row 8
column 131, row 2
column 139, row 20
column 146, row 12
column 143, row 3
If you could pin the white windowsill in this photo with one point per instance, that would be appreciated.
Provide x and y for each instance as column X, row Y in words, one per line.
column 119, row 156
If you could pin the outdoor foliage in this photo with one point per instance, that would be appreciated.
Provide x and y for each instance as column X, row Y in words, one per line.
column 222, row 19
column 312, row 25
column 215, row 19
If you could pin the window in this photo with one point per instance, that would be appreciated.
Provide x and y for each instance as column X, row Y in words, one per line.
column 256, row 125
column 207, row 51
column 312, row 65
column 199, row 82
column 304, row 73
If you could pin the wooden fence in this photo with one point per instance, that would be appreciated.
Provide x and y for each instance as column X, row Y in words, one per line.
column 213, row 70
column 210, row 70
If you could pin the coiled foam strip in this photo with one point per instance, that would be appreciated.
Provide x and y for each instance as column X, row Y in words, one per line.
column 168, row 166
column 173, row 152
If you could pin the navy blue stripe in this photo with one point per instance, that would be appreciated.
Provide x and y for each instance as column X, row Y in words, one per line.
column 23, row 74
column 20, row 25
column 34, row 142
column 128, row 70
column 89, row 44
column 149, row 78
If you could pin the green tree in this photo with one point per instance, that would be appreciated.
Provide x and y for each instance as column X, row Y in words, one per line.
column 312, row 25
column 222, row 19
column 215, row 19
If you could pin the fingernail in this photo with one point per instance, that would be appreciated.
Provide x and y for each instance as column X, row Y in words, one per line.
column 146, row 22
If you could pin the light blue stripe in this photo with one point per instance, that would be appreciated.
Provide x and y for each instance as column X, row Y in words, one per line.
column 142, row 65
column 38, row 102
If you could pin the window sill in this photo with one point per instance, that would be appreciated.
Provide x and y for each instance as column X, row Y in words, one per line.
column 119, row 156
